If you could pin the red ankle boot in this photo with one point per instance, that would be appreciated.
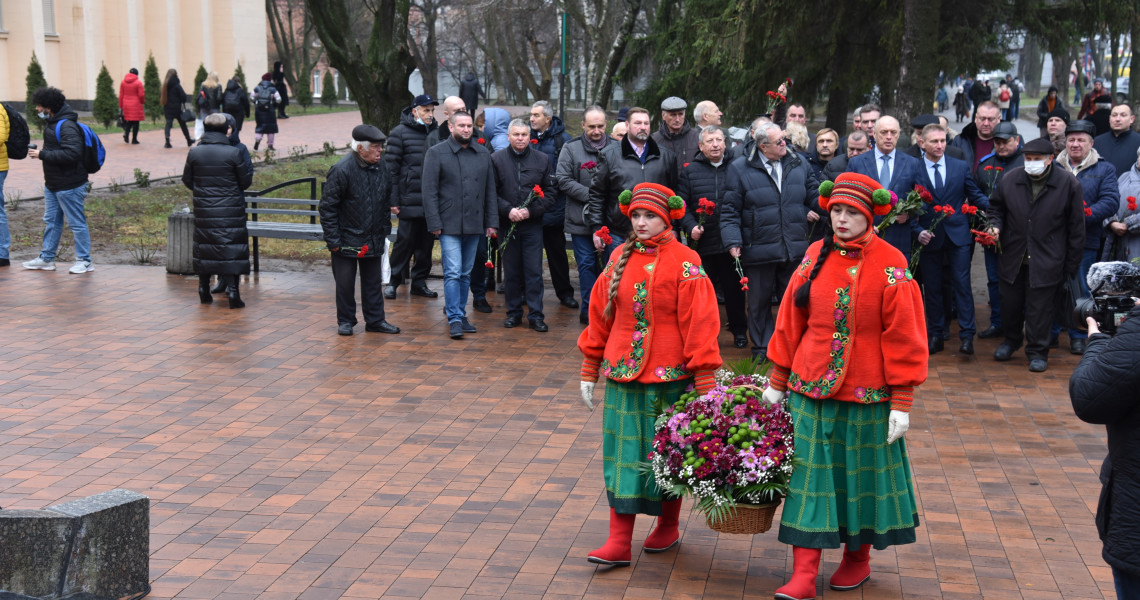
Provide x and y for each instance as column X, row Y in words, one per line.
column 854, row 570
column 665, row 535
column 617, row 551
column 805, row 566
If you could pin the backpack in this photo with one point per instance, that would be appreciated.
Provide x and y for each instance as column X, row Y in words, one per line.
column 231, row 100
column 18, row 134
column 93, row 152
column 1005, row 96
column 265, row 96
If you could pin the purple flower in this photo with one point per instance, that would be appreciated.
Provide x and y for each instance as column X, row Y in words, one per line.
column 860, row 392
column 830, row 375
column 839, row 314
column 637, row 307
column 659, row 371
column 836, row 345
column 637, row 335
column 899, row 273
column 694, row 271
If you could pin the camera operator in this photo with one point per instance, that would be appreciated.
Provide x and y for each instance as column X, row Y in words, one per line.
column 1103, row 390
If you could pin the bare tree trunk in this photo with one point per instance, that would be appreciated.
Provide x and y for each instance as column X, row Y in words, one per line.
column 617, row 53
column 1034, row 64
column 426, row 56
column 295, row 52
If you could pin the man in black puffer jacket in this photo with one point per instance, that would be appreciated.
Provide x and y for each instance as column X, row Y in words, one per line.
column 404, row 158
column 356, row 217
column 218, row 173
column 1103, row 391
column 705, row 178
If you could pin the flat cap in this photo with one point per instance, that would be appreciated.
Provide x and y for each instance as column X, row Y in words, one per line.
column 1005, row 130
column 1038, row 146
column 424, row 100
column 368, row 133
column 923, row 120
column 1081, row 126
column 673, row 103
column 622, row 112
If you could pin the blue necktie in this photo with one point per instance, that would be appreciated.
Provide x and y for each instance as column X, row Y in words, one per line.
column 885, row 172
column 937, row 177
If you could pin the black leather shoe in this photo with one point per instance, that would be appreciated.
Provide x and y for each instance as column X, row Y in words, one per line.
column 390, row 292
column 423, row 291
column 740, row 340
column 1003, row 353
column 584, row 318
column 936, row 344
column 967, row 346
column 455, row 329
column 1038, row 365
column 481, row 305
column 539, row 325
column 467, row 326
column 1077, row 345
column 4, row 262
column 344, row 329
column 204, row 294
column 569, row 302
column 512, row 322
column 989, row 332
column 382, row 327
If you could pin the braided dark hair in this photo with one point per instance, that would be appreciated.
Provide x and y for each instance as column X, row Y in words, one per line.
column 803, row 295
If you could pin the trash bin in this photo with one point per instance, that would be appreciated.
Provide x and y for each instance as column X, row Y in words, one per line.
column 180, row 241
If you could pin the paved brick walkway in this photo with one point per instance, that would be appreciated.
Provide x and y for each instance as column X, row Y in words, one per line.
column 26, row 177
column 285, row 461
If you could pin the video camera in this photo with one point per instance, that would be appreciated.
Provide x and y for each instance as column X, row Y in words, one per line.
column 1114, row 286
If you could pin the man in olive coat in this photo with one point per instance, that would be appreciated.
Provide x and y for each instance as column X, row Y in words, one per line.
column 356, row 217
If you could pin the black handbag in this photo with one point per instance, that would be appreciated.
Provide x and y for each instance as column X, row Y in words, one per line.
column 120, row 122
column 186, row 114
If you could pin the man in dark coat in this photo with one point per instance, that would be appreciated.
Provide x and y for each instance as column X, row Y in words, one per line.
column 896, row 172
column 636, row 159
column 706, row 178
column 218, row 172
column 520, row 171
column 577, row 164
column 404, row 159
column 1101, row 200
column 1037, row 214
column 1103, row 391
column 977, row 138
column 675, row 132
column 855, row 144
column 356, row 217
column 980, row 92
column 471, row 91
column 772, row 197
column 548, row 134
column 461, row 207
column 1119, row 145
column 1006, row 156
column 65, row 182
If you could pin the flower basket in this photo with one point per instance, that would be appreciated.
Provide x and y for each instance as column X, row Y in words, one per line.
column 745, row 519
column 729, row 449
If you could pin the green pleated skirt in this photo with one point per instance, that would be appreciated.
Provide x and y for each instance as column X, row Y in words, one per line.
column 848, row 485
column 627, row 438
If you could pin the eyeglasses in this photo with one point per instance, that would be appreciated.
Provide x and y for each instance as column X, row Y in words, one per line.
column 781, row 142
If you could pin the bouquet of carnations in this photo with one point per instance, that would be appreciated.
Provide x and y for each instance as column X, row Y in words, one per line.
column 728, row 448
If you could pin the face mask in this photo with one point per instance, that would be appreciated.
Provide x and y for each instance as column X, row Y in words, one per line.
column 420, row 121
column 43, row 116
column 1035, row 167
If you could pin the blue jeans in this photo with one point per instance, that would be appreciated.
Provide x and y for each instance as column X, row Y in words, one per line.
column 1127, row 586
column 586, row 257
column 993, row 286
column 457, row 255
column 5, row 237
column 69, row 204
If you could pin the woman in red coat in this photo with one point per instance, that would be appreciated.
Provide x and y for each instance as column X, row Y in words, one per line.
column 849, row 349
column 132, row 97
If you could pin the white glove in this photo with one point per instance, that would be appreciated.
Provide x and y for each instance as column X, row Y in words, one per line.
column 587, row 397
column 897, row 425
column 773, row 396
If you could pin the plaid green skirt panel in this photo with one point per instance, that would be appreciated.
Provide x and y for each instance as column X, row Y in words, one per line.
column 848, row 485
column 627, row 428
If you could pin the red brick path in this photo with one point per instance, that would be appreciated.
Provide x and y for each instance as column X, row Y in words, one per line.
column 284, row 461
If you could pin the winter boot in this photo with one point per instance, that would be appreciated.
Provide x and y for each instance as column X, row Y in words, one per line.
column 617, row 550
column 665, row 535
column 854, row 570
column 221, row 287
column 204, row 289
column 805, row 565
column 232, row 292
column 168, row 143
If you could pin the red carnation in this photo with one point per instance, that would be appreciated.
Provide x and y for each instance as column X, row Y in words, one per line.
column 685, row 165
column 604, row 235
column 538, row 191
column 1088, row 212
column 489, row 265
column 989, row 168
column 924, row 194
column 481, row 141
column 705, row 206
column 362, row 252
column 533, row 141
column 1132, row 203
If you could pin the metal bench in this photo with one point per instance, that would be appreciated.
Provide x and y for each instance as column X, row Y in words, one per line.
column 289, row 230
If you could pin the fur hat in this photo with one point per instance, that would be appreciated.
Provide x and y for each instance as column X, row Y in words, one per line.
column 859, row 191
column 656, row 198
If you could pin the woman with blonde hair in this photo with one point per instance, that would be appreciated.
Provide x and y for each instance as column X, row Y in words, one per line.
column 172, row 98
column 208, row 101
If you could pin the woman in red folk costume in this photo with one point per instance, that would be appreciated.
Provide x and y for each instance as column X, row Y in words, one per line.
column 850, row 347
column 653, row 337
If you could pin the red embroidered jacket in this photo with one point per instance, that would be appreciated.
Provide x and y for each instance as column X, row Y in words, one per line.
column 665, row 323
column 862, row 337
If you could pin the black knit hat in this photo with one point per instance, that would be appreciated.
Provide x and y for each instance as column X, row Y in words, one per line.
column 1060, row 113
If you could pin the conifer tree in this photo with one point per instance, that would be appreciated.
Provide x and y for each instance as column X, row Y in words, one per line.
column 239, row 75
column 328, row 90
column 34, row 81
column 106, row 105
column 152, row 84
column 199, row 77
column 303, row 93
